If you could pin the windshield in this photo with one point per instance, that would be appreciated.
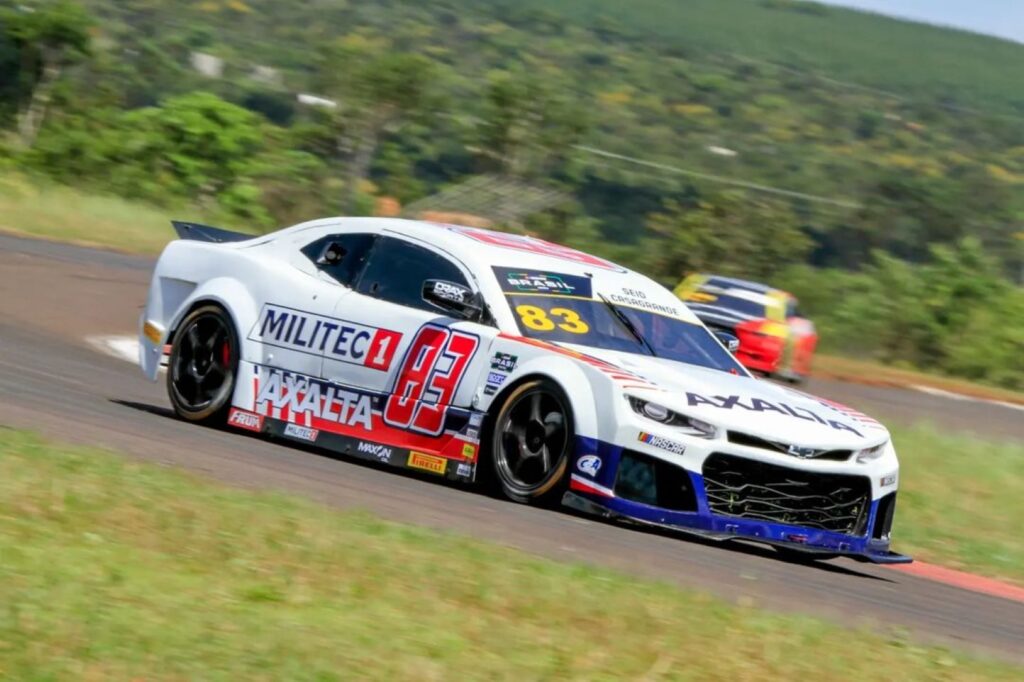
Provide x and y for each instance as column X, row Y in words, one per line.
column 592, row 322
column 744, row 306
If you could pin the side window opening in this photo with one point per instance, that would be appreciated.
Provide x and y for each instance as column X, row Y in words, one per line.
column 397, row 269
column 340, row 256
column 792, row 308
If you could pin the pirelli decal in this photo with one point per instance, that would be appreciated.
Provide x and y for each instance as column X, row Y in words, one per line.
column 421, row 460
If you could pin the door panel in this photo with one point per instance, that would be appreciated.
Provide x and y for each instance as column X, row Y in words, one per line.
column 372, row 337
column 428, row 362
column 292, row 328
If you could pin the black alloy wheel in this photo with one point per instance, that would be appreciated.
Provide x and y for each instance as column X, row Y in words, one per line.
column 531, row 443
column 202, row 366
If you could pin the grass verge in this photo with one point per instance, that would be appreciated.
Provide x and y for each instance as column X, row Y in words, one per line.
column 960, row 502
column 875, row 373
column 40, row 209
column 114, row 569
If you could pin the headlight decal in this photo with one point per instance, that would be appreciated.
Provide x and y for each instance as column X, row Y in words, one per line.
column 663, row 415
column 871, row 454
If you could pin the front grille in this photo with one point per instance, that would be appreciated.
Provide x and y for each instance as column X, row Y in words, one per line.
column 748, row 489
column 751, row 441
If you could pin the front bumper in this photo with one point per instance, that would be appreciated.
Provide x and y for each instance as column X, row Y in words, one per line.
column 686, row 508
column 711, row 527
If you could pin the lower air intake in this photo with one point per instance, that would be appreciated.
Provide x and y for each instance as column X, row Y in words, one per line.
column 883, row 517
column 654, row 482
column 748, row 489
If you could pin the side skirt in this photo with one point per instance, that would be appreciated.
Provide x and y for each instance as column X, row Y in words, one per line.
column 423, row 461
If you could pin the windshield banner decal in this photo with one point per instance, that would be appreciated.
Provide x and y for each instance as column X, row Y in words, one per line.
column 519, row 281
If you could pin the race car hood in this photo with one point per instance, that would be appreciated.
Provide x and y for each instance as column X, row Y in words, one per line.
column 745, row 404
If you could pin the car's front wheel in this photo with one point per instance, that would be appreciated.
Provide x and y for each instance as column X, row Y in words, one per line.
column 531, row 441
column 202, row 366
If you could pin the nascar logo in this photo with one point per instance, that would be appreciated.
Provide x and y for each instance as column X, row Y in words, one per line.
column 662, row 443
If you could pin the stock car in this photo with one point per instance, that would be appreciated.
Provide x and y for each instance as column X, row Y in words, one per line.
column 551, row 374
column 775, row 339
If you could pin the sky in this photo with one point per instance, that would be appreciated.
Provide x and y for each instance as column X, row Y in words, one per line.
column 1003, row 18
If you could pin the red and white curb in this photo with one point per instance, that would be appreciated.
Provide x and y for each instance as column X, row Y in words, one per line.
column 961, row 579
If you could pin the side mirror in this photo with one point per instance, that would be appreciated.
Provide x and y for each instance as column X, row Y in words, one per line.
column 455, row 299
column 332, row 254
column 730, row 341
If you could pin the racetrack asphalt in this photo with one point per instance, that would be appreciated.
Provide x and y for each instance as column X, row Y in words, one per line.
column 52, row 296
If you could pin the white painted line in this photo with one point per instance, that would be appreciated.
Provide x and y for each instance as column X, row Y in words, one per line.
column 960, row 396
column 121, row 347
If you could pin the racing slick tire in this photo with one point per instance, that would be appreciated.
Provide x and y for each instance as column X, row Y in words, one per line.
column 531, row 439
column 203, row 364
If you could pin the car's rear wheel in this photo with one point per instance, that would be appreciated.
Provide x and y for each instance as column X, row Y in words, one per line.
column 202, row 366
column 531, row 441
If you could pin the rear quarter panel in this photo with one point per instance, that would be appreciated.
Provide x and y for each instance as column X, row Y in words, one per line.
column 189, row 273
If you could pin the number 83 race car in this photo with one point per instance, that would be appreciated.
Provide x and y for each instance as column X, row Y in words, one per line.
column 555, row 375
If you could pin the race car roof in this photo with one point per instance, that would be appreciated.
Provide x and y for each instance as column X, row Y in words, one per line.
column 481, row 250
column 735, row 283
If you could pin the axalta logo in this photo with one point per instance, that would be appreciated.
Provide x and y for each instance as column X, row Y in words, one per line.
column 305, row 398
column 301, row 432
column 589, row 464
column 245, row 420
column 729, row 402
column 334, row 339
column 381, row 452
column 421, row 460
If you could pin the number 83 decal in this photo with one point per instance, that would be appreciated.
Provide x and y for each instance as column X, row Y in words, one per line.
column 542, row 320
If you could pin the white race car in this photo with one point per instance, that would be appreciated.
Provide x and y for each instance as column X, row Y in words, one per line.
column 553, row 374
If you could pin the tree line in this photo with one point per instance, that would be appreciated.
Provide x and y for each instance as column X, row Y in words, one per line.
column 420, row 97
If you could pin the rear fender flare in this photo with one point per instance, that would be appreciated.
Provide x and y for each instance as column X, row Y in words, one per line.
column 229, row 294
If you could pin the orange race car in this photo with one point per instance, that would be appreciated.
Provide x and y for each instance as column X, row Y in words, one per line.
column 775, row 339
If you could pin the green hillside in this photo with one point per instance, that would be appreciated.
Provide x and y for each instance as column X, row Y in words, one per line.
column 905, row 58
column 740, row 136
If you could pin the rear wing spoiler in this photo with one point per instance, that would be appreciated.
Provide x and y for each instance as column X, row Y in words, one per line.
column 205, row 233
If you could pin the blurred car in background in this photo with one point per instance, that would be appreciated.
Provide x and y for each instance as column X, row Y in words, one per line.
column 775, row 339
